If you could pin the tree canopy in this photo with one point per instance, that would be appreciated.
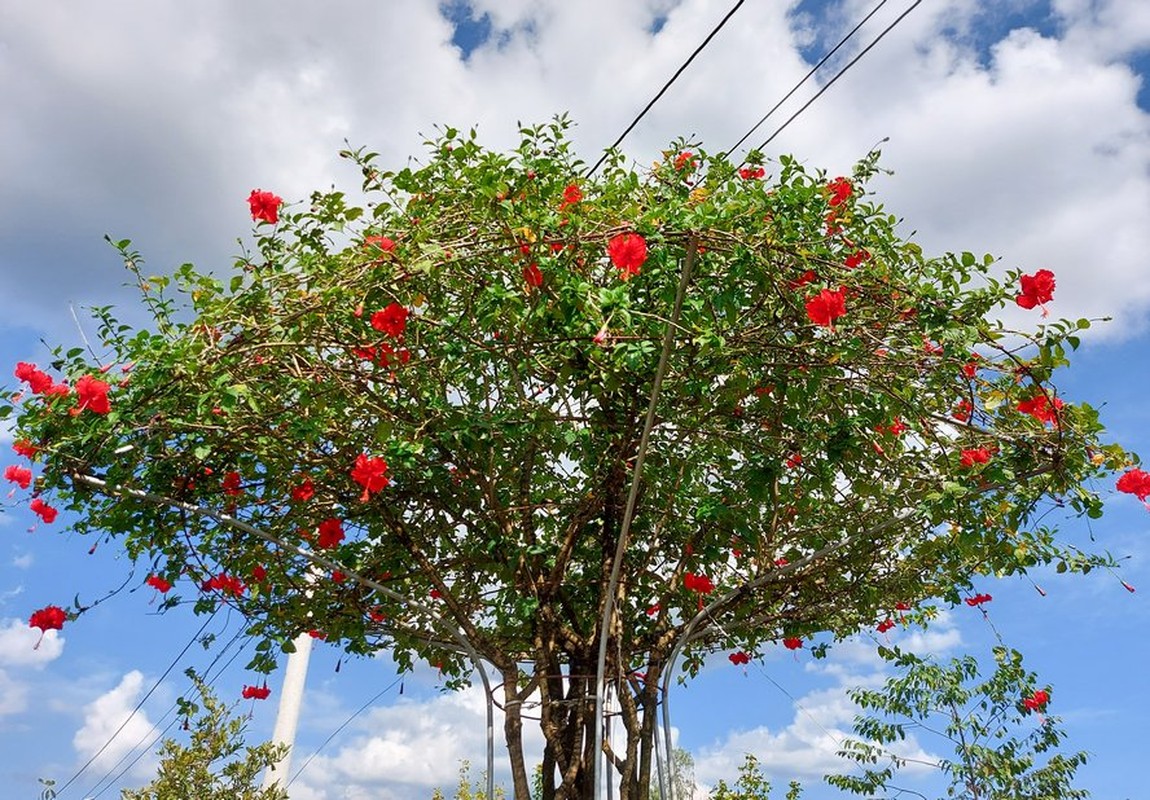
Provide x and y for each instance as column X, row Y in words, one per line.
column 469, row 410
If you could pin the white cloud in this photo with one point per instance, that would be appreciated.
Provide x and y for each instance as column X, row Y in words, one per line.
column 13, row 695
column 407, row 749
column 101, row 732
column 18, row 645
column 805, row 748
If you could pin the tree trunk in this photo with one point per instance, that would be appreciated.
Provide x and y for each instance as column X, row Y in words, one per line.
column 568, row 702
column 513, row 732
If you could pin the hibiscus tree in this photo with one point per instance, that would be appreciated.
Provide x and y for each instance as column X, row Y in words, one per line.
column 555, row 479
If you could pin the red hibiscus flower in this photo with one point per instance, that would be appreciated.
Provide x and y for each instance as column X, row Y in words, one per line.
column 265, row 206
column 303, row 492
column 962, row 411
column 1135, row 482
column 840, row 190
column 801, row 281
column 159, row 584
column 977, row 455
column 259, row 573
column 38, row 381
column 978, row 600
column 43, row 510
column 739, row 658
column 572, row 195
column 897, row 427
column 337, row 576
column 317, row 634
column 382, row 242
column 698, row 583
column 885, row 625
column 392, row 320
column 330, row 533
column 224, row 583
column 231, row 484
column 370, row 472
column 685, row 161
column 752, row 173
column 1041, row 408
column 21, row 476
column 256, row 692
column 49, row 618
column 25, row 448
column 1037, row 290
column 825, row 307
column 532, row 276
column 856, row 258
column 93, row 395
column 627, row 252
column 792, row 643
column 1037, row 700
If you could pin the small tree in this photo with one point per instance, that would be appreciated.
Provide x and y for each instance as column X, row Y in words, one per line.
column 466, row 790
column 1005, row 746
column 571, row 427
column 751, row 785
column 680, row 773
column 215, row 764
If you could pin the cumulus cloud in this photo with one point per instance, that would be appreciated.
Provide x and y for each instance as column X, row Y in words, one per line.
column 101, row 735
column 1028, row 145
column 806, row 746
column 18, row 652
column 408, row 749
column 17, row 643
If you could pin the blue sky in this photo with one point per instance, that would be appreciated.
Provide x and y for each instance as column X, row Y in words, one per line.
column 1019, row 128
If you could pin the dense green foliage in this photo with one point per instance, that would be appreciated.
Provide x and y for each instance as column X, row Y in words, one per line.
column 214, row 764
column 1005, row 747
column 484, row 324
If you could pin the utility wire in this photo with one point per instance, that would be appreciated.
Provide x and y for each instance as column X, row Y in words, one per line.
column 807, row 77
column 666, row 86
column 139, row 705
column 840, row 73
column 140, row 749
column 345, row 723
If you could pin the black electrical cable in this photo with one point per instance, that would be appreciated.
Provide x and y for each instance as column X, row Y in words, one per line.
column 139, row 705
column 666, row 86
column 139, row 750
column 827, row 57
column 841, row 72
column 343, row 725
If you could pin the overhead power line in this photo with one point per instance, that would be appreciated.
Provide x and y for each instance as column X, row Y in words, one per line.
column 143, row 746
column 343, row 725
column 827, row 57
column 139, row 705
column 666, row 86
column 841, row 72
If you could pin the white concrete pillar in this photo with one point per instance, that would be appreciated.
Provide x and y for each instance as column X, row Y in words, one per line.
column 287, row 718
